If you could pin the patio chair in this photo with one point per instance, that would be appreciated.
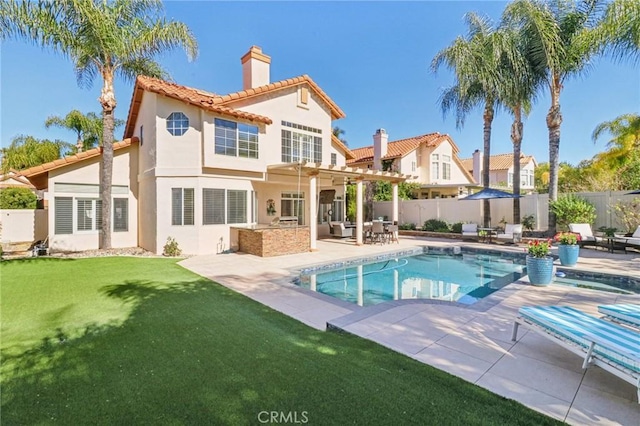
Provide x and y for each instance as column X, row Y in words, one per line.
column 628, row 314
column 512, row 233
column 633, row 241
column 586, row 235
column 470, row 231
column 392, row 233
column 612, row 347
column 339, row 231
column 378, row 231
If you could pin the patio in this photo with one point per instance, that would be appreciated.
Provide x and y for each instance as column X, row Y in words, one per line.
column 472, row 343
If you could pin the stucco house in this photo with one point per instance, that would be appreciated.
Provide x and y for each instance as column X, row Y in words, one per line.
column 14, row 179
column 501, row 170
column 212, row 171
column 431, row 160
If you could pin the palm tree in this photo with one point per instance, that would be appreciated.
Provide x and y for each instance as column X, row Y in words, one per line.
column 619, row 31
column 557, row 34
column 338, row 132
column 475, row 61
column 517, row 92
column 625, row 130
column 26, row 151
column 102, row 38
column 88, row 128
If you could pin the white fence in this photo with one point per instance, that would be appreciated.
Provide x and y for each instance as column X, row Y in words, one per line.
column 21, row 226
column 455, row 210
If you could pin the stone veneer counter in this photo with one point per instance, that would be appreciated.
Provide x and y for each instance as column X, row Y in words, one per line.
column 267, row 241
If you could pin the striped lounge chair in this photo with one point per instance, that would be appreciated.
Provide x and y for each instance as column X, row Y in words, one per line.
column 612, row 347
column 628, row 314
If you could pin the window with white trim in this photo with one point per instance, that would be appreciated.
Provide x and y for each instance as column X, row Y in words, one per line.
column 182, row 206
column 213, row 206
column 413, row 166
column 435, row 166
column 446, row 167
column 120, row 214
column 334, row 158
column 88, row 214
column 298, row 146
column 236, row 139
column 63, row 220
column 236, row 206
column 510, row 179
column 292, row 204
column 177, row 123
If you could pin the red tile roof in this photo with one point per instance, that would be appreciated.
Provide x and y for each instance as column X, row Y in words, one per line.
column 499, row 162
column 401, row 147
column 336, row 112
column 61, row 162
column 15, row 176
column 218, row 103
column 189, row 95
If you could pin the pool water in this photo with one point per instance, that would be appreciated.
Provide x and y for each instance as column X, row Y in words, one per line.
column 464, row 278
column 601, row 282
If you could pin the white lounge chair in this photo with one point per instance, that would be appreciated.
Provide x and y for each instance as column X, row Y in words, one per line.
column 586, row 234
column 633, row 241
column 628, row 314
column 610, row 346
column 512, row 233
column 470, row 231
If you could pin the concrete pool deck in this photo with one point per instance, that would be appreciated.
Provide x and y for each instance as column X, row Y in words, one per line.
column 473, row 342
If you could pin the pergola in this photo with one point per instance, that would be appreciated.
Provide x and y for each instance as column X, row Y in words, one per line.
column 314, row 171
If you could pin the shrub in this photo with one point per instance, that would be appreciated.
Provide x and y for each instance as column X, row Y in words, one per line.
column 436, row 225
column 408, row 227
column 628, row 213
column 17, row 198
column 571, row 209
column 171, row 248
column 528, row 223
column 457, row 228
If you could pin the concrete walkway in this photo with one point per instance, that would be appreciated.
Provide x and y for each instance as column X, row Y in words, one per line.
column 473, row 342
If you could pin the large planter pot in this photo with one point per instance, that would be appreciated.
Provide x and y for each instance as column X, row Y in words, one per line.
column 540, row 270
column 568, row 254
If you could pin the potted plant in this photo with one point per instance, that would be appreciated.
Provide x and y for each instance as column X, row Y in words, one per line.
column 539, row 263
column 568, row 248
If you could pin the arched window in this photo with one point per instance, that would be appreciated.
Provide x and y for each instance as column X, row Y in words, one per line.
column 177, row 123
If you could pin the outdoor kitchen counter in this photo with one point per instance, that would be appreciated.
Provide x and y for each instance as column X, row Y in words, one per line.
column 267, row 240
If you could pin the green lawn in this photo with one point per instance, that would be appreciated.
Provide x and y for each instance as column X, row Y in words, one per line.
column 144, row 341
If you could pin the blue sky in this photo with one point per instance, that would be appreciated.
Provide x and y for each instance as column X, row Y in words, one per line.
column 371, row 58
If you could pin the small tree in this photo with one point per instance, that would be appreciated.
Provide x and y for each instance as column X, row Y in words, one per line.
column 571, row 209
column 17, row 198
column 628, row 213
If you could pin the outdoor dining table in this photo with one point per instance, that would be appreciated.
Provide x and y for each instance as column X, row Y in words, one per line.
column 490, row 233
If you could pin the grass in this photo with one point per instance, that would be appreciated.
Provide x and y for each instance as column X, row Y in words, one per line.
column 143, row 341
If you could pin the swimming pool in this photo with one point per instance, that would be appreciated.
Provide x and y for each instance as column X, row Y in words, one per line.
column 463, row 278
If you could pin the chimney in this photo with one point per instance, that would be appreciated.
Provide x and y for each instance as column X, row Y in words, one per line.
column 477, row 166
column 380, row 140
column 255, row 68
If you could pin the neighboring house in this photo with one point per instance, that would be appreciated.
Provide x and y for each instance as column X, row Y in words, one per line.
column 195, row 165
column 13, row 179
column 431, row 160
column 501, row 170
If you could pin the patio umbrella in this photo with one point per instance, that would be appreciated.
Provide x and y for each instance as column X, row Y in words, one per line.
column 489, row 193
column 637, row 191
